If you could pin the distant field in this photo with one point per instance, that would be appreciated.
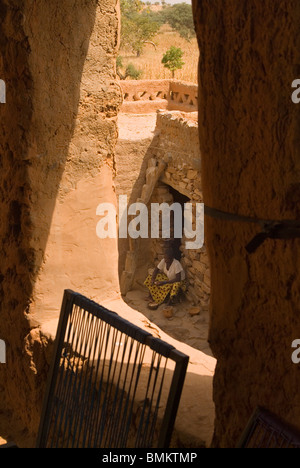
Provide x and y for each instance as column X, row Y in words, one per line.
column 150, row 60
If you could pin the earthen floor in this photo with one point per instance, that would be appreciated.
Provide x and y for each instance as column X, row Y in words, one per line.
column 189, row 329
column 187, row 333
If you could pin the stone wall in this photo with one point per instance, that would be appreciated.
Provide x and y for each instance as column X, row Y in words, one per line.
column 249, row 136
column 175, row 144
column 144, row 96
column 179, row 148
column 58, row 132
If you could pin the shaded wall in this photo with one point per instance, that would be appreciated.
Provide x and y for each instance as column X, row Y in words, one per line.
column 58, row 131
column 249, row 136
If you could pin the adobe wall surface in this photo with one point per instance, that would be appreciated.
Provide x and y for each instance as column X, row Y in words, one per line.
column 249, row 137
column 58, row 133
column 136, row 145
column 146, row 96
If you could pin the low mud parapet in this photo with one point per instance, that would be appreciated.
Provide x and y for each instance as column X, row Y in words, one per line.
column 145, row 96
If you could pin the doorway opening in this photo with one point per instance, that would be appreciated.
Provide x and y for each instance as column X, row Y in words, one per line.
column 188, row 321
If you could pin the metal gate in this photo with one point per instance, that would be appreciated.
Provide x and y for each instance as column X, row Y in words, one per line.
column 111, row 384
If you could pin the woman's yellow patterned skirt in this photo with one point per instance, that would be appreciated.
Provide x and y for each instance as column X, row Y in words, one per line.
column 160, row 293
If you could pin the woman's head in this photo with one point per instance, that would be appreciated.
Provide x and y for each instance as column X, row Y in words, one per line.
column 168, row 254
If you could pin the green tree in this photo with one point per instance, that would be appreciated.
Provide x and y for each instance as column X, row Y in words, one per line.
column 172, row 59
column 130, row 70
column 128, row 7
column 180, row 18
column 138, row 27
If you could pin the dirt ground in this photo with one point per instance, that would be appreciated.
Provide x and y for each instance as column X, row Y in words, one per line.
column 188, row 333
column 183, row 322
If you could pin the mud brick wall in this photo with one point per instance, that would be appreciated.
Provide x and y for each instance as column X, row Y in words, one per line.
column 249, row 138
column 146, row 96
column 58, row 131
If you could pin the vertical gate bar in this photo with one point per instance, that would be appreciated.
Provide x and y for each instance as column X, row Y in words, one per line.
column 108, row 439
column 66, row 309
column 103, row 413
column 75, row 389
column 173, row 399
column 63, row 384
column 142, row 354
column 84, row 356
column 84, row 375
column 141, row 423
column 122, row 412
column 98, row 392
column 150, row 400
column 88, row 420
column 152, row 429
column 126, row 412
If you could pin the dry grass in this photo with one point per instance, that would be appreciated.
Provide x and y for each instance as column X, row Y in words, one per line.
column 150, row 60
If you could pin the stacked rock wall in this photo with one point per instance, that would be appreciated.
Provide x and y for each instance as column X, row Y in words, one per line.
column 176, row 144
column 179, row 146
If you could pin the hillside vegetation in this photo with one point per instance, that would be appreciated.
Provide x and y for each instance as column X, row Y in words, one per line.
column 146, row 36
